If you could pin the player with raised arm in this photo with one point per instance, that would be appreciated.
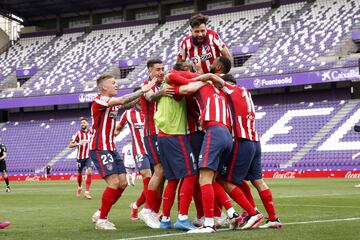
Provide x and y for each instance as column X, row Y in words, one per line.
column 103, row 152
column 176, row 153
column 81, row 140
column 203, row 46
column 149, row 214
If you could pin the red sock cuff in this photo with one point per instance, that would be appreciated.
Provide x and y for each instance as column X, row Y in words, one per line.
column 207, row 195
column 265, row 194
column 221, row 196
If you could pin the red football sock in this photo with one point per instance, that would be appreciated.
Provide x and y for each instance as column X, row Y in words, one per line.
column 197, row 201
column 221, row 197
column 186, row 193
column 79, row 179
column 140, row 201
column 207, row 195
column 217, row 209
column 266, row 198
column 169, row 196
column 157, row 204
column 119, row 193
column 239, row 198
column 145, row 188
column 88, row 182
column 109, row 196
column 247, row 191
column 178, row 194
column 151, row 197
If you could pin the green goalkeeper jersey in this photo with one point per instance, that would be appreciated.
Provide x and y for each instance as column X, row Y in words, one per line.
column 170, row 116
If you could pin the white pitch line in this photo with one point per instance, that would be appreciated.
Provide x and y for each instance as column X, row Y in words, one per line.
column 324, row 221
column 319, row 206
column 291, row 223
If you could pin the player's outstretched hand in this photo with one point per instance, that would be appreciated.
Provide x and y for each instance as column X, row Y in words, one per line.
column 168, row 91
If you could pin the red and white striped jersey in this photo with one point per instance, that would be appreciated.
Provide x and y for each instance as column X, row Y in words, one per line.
column 213, row 105
column 103, row 124
column 207, row 51
column 135, row 121
column 149, row 109
column 83, row 140
column 242, row 112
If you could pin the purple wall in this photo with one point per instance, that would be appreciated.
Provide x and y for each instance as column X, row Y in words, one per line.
column 38, row 34
column 222, row 11
column 125, row 24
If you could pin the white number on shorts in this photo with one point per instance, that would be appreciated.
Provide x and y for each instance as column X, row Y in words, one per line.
column 192, row 157
column 157, row 146
column 139, row 158
column 107, row 158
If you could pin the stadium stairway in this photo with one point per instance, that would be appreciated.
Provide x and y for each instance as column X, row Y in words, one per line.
column 114, row 68
column 348, row 107
column 52, row 61
column 136, row 72
column 11, row 81
column 277, row 35
column 244, row 38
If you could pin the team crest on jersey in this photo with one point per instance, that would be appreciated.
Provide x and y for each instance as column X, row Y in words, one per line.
column 109, row 167
column 206, row 48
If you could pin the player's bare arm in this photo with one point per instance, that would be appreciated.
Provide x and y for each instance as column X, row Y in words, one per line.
column 218, row 81
column 118, row 129
column 225, row 52
column 72, row 145
column 179, row 59
column 191, row 87
column 166, row 91
column 131, row 96
column 130, row 104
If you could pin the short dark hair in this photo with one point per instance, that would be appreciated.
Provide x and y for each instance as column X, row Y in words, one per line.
column 198, row 19
column 136, row 89
column 102, row 78
column 226, row 64
column 228, row 78
column 83, row 119
column 152, row 62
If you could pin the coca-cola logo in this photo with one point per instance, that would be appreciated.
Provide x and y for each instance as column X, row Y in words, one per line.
column 352, row 175
column 284, row 175
column 32, row 178
column 73, row 178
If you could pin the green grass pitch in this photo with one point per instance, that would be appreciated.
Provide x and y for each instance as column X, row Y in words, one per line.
column 309, row 208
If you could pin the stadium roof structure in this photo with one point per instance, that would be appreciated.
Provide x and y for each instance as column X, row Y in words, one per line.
column 33, row 10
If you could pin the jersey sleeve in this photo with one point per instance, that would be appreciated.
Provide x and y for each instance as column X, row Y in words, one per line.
column 178, row 79
column 218, row 42
column 182, row 52
column 228, row 88
column 123, row 120
column 101, row 102
column 75, row 138
column 3, row 147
